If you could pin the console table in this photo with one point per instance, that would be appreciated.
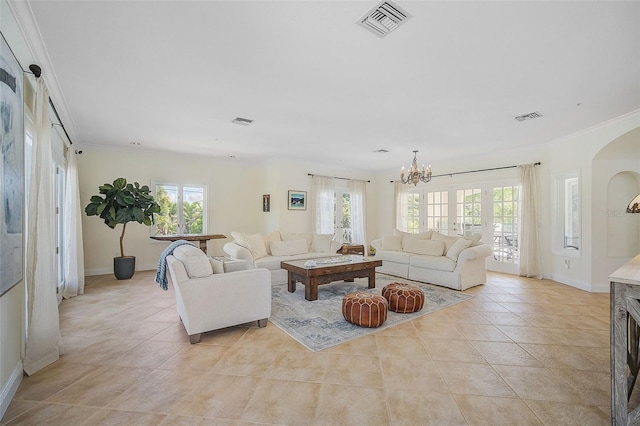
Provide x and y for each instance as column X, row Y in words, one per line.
column 625, row 341
column 202, row 239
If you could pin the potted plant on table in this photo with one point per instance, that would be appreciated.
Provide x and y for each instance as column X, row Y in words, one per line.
column 122, row 202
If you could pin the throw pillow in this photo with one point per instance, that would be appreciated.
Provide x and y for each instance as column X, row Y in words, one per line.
column 321, row 243
column 252, row 242
column 457, row 247
column 274, row 236
column 240, row 238
column 420, row 246
column 474, row 238
column 288, row 236
column 194, row 260
column 448, row 241
column 256, row 246
column 407, row 235
column 392, row 242
column 289, row 247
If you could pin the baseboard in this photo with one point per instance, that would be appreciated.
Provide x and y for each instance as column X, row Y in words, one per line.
column 573, row 283
column 10, row 389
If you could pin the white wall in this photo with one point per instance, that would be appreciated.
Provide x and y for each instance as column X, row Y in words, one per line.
column 580, row 151
column 616, row 180
column 234, row 191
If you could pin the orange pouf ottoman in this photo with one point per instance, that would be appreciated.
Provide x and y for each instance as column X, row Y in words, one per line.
column 365, row 309
column 403, row 298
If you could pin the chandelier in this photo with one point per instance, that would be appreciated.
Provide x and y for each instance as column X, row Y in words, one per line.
column 414, row 176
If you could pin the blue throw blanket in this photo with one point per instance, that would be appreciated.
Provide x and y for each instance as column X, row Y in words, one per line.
column 161, row 274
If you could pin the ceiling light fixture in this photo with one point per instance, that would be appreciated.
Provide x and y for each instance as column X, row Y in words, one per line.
column 414, row 176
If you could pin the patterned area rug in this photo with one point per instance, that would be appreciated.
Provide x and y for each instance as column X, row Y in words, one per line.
column 319, row 324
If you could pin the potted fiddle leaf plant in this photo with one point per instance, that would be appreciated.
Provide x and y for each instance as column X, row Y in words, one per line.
column 121, row 203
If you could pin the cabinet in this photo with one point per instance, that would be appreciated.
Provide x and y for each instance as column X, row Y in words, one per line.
column 625, row 341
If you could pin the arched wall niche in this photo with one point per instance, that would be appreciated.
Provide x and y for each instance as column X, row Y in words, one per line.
column 623, row 229
column 616, row 234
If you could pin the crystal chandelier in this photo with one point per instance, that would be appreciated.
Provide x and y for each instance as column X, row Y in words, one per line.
column 414, row 176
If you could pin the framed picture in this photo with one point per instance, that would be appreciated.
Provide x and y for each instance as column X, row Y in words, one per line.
column 266, row 203
column 11, row 169
column 297, row 200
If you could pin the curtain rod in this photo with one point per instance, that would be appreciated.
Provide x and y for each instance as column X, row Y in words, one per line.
column 335, row 177
column 475, row 171
column 60, row 121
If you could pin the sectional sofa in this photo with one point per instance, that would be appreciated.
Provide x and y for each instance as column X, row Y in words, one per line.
column 431, row 257
column 267, row 251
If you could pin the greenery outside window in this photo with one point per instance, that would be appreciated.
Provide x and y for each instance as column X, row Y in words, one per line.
column 182, row 209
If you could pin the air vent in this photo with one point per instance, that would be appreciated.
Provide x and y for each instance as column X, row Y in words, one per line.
column 383, row 18
column 529, row 116
column 381, row 151
column 242, row 121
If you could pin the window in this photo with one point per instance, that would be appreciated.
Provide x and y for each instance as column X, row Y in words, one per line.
column 182, row 209
column 505, row 223
column 413, row 213
column 438, row 211
column 571, row 214
column 339, row 208
column 469, row 211
column 566, row 226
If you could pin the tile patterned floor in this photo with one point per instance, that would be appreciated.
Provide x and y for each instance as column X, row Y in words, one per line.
column 520, row 352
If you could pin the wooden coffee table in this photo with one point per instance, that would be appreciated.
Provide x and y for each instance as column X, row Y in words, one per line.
column 325, row 272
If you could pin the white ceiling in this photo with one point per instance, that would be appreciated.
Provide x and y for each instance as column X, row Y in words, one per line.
column 172, row 75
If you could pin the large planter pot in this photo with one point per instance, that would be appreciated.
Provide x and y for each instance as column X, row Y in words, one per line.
column 124, row 267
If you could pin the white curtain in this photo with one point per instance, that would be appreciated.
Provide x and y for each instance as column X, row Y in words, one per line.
column 529, row 244
column 401, row 201
column 74, row 256
column 43, row 330
column 358, row 191
column 323, row 194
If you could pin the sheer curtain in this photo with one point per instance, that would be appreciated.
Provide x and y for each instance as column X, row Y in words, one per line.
column 43, row 344
column 402, row 205
column 323, row 214
column 358, row 190
column 530, row 264
column 74, row 256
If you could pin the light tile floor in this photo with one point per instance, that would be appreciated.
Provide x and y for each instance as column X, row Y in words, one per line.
column 520, row 352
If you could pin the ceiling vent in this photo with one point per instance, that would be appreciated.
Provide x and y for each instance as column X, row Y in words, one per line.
column 383, row 18
column 529, row 116
column 242, row 121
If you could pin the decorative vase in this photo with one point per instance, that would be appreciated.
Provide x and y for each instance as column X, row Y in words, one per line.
column 124, row 267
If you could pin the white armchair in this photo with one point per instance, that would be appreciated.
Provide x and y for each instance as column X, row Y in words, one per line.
column 218, row 300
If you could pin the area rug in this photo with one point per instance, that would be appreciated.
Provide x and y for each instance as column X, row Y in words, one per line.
column 319, row 324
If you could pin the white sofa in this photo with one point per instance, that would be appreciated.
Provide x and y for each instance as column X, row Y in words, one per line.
column 267, row 251
column 431, row 257
column 209, row 299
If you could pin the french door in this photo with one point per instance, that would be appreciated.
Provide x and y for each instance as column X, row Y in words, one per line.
column 490, row 209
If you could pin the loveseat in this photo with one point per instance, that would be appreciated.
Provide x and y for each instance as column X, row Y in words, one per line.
column 208, row 299
column 267, row 251
column 432, row 257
